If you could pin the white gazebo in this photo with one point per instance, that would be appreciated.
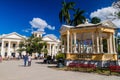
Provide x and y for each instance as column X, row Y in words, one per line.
column 89, row 42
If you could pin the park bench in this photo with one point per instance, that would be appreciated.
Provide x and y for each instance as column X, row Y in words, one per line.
column 114, row 68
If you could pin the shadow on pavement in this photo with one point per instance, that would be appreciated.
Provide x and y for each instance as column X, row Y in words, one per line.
column 21, row 65
column 39, row 62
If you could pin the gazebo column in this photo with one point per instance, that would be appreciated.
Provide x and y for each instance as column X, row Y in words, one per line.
column 93, row 45
column 82, row 43
column 82, row 46
column 68, row 38
column 79, row 46
column 101, row 43
column 71, row 44
column 75, row 48
column 108, row 45
column 111, row 43
column 98, row 45
column 114, row 48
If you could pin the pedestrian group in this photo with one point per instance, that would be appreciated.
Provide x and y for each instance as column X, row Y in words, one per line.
column 27, row 60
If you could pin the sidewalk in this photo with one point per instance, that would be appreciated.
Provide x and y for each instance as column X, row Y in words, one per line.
column 14, row 70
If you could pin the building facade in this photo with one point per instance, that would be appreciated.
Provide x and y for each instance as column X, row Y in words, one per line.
column 9, row 43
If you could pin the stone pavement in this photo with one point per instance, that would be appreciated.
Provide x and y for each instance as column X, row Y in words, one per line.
column 14, row 70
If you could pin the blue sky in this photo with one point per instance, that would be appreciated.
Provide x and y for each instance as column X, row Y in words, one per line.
column 19, row 15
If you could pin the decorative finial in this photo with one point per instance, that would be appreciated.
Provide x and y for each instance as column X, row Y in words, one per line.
column 86, row 21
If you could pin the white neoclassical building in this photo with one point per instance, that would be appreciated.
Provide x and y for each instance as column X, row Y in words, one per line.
column 9, row 43
column 53, row 44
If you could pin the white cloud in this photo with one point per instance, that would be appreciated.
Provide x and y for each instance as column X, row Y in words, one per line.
column 40, row 24
column 117, row 22
column 107, row 13
column 27, row 30
column 118, row 34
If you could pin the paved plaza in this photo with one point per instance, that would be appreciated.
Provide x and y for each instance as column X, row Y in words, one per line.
column 14, row 70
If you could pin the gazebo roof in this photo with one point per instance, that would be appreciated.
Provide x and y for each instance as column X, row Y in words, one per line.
column 86, row 25
column 106, row 23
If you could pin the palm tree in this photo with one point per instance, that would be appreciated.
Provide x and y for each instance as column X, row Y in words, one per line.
column 78, row 17
column 64, row 15
column 95, row 20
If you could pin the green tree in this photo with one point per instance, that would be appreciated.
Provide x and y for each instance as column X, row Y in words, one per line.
column 32, row 45
column 95, row 20
column 64, row 15
column 78, row 17
column 118, row 14
column 21, row 47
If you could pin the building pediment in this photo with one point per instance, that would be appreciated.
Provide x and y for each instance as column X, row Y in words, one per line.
column 65, row 28
column 48, row 39
column 13, row 35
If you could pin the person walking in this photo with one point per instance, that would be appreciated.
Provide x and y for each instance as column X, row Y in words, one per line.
column 25, row 59
column 29, row 60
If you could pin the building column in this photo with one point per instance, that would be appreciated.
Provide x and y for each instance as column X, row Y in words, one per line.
column 9, row 43
column 71, row 44
column 98, row 45
column 75, row 48
column 64, row 45
column 53, row 50
column 2, row 49
column 61, row 44
column 68, row 38
column 18, row 42
column 50, row 50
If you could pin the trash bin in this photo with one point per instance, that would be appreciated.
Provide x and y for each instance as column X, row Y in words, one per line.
column 60, row 63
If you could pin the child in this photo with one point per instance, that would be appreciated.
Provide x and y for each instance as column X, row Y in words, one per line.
column 29, row 60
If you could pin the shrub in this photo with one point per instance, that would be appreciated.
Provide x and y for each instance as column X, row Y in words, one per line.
column 60, row 55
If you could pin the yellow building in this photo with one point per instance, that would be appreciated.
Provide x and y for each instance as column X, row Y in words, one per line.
column 84, row 42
